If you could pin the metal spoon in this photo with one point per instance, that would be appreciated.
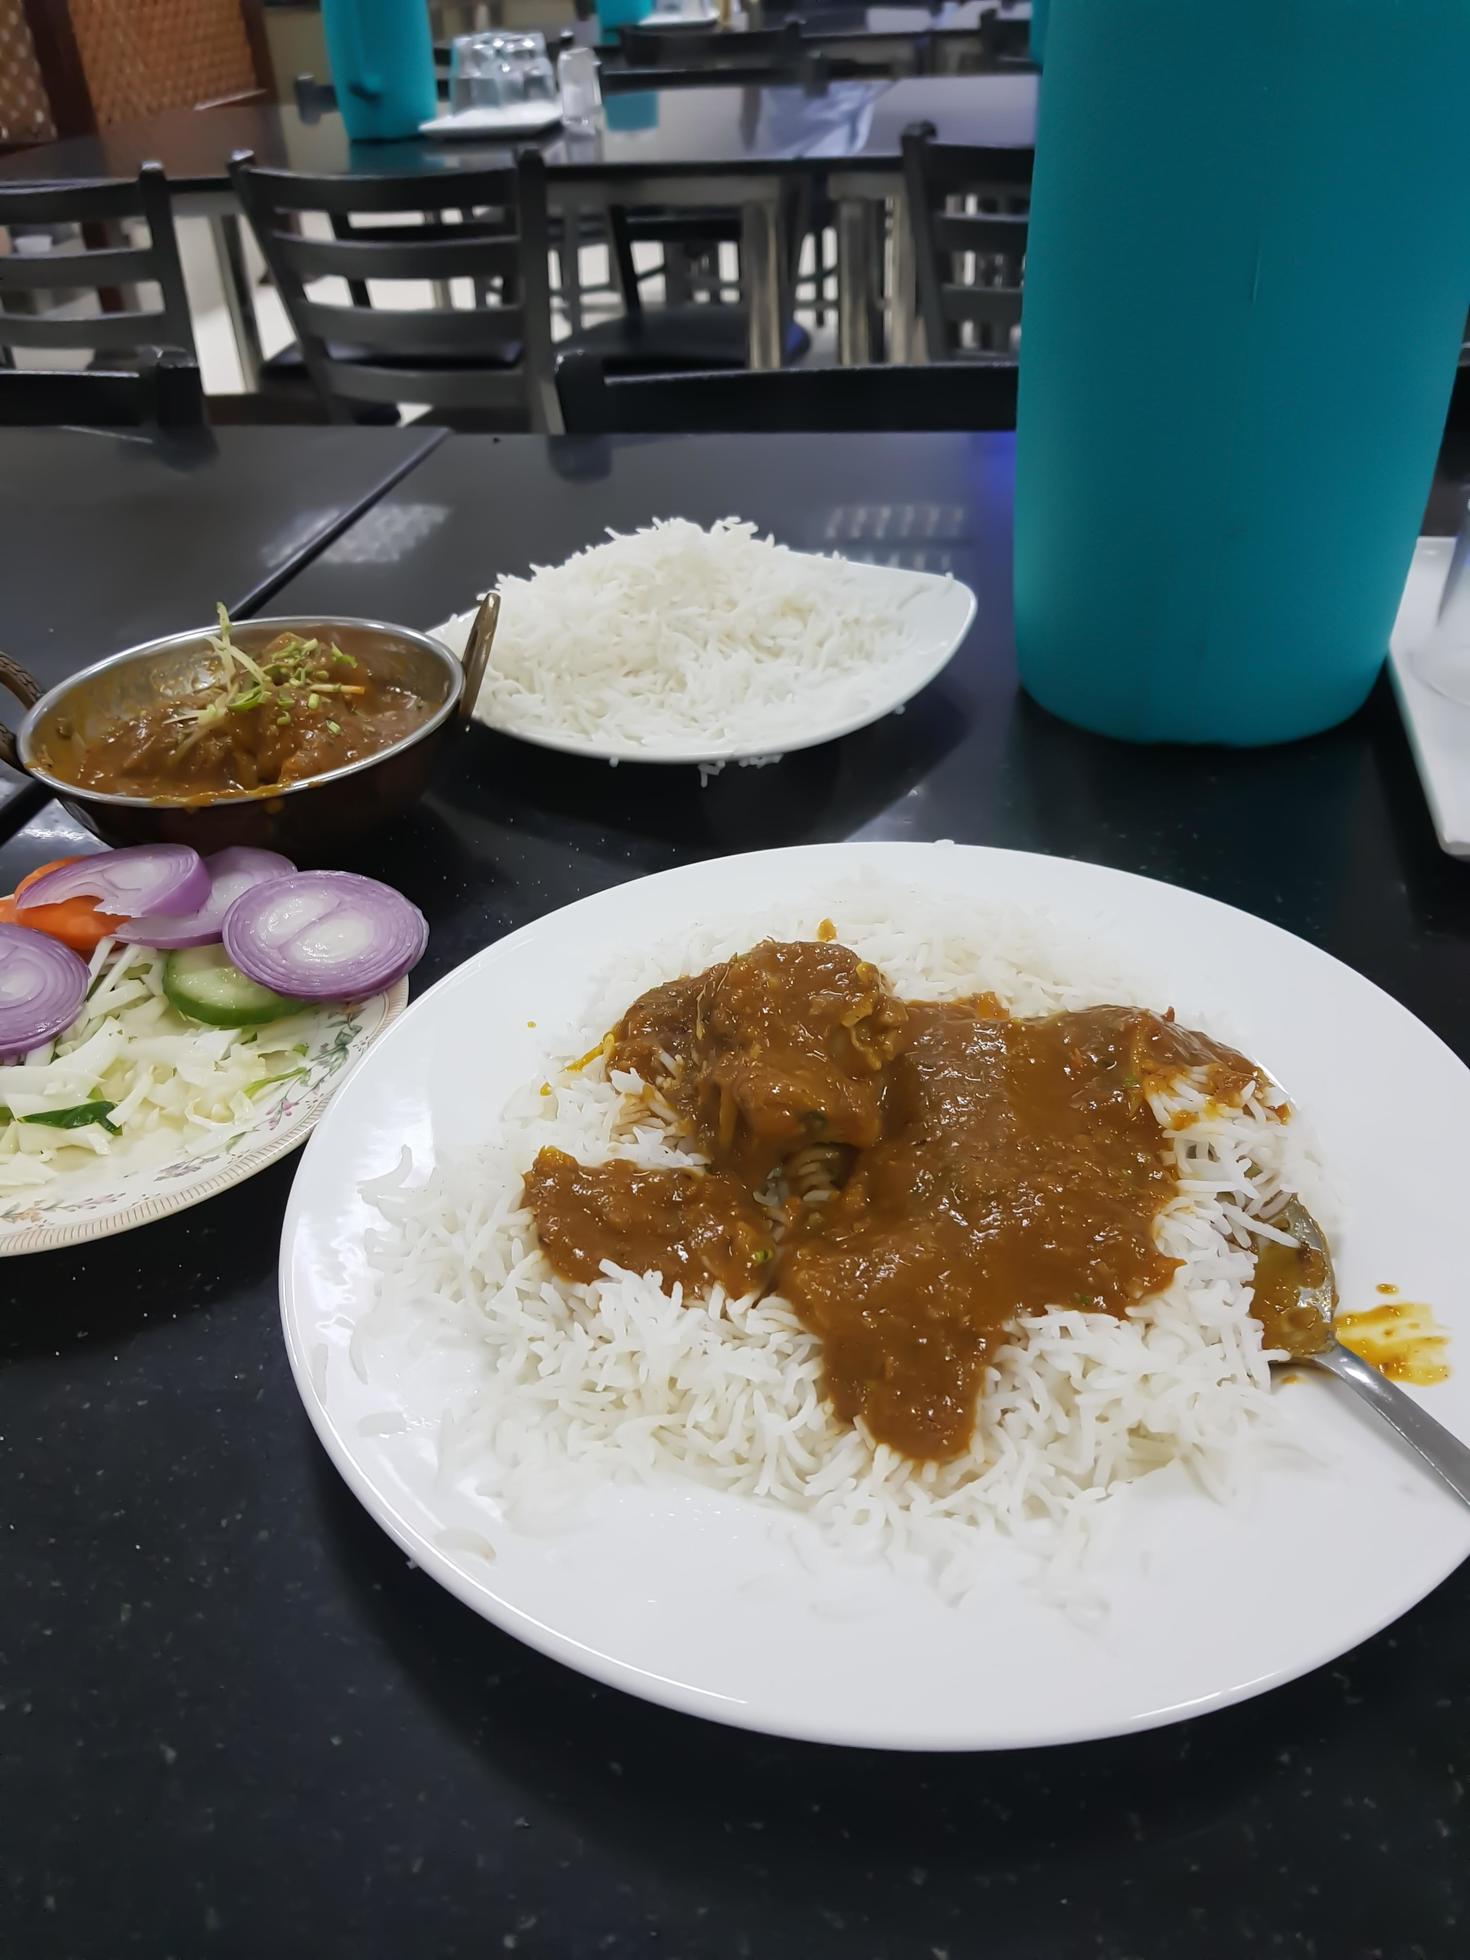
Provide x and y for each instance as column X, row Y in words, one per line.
column 1307, row 1335
column 476, row 655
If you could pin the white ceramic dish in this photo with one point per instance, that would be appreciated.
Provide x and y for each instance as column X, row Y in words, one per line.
column 940, row 614
column 516, row 119
column 130, row 1188
column 687, row 1597
column 1439, row 729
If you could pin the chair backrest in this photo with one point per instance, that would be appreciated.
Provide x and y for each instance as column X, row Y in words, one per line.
column 692, row 47
column 811, row 72
column 968, row 209
column 107, row 265
column 1005, row 37
column 160, row 393
column 853, row 56
column 486, row 225
column 761, row 202
column 968, row 395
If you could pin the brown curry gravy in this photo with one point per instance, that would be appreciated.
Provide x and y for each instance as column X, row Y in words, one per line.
column 1401, row 1339
column 352, row 712
column 949, row 1167
column 1282, row 1271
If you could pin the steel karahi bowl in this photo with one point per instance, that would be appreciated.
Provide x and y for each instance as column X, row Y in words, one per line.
column 302, row 818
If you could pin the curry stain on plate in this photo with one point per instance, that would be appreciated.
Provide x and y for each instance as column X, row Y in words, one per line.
column 1400, row 1338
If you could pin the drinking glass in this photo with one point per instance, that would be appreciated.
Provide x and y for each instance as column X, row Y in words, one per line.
column 540, row 78
column 581, row 86
column 525, row 72
column 476, row 62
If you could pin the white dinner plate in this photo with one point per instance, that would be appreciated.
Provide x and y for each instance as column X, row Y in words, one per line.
column 134, row 1186
column 513, row 119
column 939, row 611
column 692, row 1598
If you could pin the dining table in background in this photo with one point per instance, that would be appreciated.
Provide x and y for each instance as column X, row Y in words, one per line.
column 241, row 1722
column 107, row 540
column 950, row 32
column 847, row 136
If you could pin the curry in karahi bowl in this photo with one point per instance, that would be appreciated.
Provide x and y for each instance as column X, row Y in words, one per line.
column 276, row 732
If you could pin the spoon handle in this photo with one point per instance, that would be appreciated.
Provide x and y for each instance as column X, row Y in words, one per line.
column 1445, row 1454
column 476, row 654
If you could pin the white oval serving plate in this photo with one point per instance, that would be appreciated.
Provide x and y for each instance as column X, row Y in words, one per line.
column 940, row 613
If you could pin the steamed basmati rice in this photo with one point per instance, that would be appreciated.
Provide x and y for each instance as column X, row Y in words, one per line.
column 684, row 641
column 568, row 1385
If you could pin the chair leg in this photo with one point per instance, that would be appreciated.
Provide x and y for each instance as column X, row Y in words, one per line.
column 224, row 228
column 854, row 277
column 764, row 285
column 903, row 332
column 678, row 285
column 625, row 273
column 569, row 265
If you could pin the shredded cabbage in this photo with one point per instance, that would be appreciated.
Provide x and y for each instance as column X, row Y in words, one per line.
column 166, row 1077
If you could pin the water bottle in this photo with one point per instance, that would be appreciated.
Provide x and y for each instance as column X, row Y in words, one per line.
column 1246, row 288
column 1036, row 39
column 382, row 62
column 613, row 14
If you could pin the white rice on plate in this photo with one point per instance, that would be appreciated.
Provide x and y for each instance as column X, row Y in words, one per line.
column 678, row 640
column 567, row 1386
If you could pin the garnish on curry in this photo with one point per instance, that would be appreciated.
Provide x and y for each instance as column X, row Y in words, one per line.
column 941, row 1168
column 299, row 709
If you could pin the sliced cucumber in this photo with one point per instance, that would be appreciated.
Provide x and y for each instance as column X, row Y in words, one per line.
column 202, row 984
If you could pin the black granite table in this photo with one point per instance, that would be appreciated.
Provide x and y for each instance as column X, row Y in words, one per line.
column 237, row 1722
column 709, row 130
column 106, row 540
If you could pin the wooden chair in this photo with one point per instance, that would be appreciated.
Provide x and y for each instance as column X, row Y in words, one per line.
column 162, row 392
column 968, row 395
column 488, row 364
column 968, row 211
column 108, row 267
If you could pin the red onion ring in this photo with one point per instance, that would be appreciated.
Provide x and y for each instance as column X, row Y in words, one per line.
column 42, row 987
column 325, row 935
column 231, row 872
column 133, row 882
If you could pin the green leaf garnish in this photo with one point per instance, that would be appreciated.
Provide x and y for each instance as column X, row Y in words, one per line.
column 268, row 1081
column 272, row 682
column 78, row 1117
